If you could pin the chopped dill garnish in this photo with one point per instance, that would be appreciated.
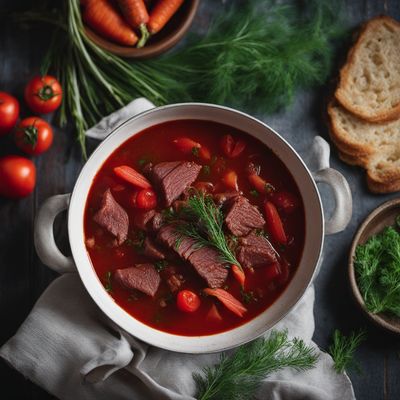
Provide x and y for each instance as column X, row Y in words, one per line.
column 137, row 241
column 108, row 282
column 377, row 268
column 254, row 193
column 168, row 214
column 160, row 265
column 206, row 170
column 342, row 349
column 195, row 151
column 248, row 297
column 239, row 375
column 143, row 161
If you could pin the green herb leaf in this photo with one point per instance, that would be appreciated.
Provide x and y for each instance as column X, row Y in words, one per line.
column 160, row 265
column 206, row 169
column 238, row 376
column 207, row 228
column 108, row 282
column 342, row 349
column 248, row 297
column 254, row 193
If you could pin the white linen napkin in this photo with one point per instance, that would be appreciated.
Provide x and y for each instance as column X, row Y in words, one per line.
column 72, row 350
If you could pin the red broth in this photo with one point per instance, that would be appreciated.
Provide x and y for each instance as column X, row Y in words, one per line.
column 155, row 144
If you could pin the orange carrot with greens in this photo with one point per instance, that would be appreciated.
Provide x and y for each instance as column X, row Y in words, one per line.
column 162, row 13
column 105, row 20
column 135, row 13
column 227, row 300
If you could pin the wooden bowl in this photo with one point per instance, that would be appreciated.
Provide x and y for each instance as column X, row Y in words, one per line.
column 379, row 219
column 170, row 35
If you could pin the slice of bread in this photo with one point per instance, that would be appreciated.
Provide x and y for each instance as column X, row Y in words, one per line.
column 375, row 147
column 370, row 80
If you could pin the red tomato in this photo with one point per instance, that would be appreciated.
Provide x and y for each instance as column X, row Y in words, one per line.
column 43, row 94
column 34, row 135
column 17, row 176
column 187, row 301
column 232, row 148
column 146, row 199
column 9, row 112
column 285, row 201
column 274, row 223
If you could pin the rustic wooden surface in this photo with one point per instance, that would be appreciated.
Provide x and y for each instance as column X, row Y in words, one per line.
column 23, row 278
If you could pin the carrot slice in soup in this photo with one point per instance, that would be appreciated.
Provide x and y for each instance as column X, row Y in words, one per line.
column 227, row 300
column 131, row 176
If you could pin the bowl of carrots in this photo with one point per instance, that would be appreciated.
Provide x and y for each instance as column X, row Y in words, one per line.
column 137, row 28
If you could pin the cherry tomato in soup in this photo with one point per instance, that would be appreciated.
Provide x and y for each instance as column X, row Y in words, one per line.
column 34, row 135
column 187, row 301
column 146, row 199
column 9, row 112
column 17, row 176
column 43, row 94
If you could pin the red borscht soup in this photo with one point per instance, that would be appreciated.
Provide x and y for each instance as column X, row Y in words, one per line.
column 194, row 227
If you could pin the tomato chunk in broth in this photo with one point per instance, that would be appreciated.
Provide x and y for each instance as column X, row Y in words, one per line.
column 152, row 187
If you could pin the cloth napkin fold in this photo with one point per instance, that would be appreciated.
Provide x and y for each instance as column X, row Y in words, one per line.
column 72, row 350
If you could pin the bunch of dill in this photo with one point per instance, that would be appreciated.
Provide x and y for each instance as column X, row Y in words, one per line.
column 237, row 377
column 260, row 53
column 377, row 268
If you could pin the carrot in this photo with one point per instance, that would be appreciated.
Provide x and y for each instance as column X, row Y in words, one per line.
column 131, row 176
column 162, row 13
column 238, row 274
column 227, row 300
column 135, row 13
column 105, row 20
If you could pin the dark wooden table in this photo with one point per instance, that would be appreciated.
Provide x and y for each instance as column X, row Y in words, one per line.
column 23, row 278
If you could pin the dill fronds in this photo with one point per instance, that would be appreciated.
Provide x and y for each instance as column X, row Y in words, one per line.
column 238, row 376
column 342, row 349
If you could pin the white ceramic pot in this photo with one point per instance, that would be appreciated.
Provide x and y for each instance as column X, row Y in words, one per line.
column 314, row 217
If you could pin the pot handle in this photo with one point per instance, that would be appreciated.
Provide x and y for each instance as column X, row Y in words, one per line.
column 340, row 187
column 46, row 247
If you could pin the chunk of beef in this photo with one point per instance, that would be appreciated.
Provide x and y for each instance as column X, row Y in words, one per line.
column 242, row 217
column 221, row 198
column 150, row 249
column 142, row 219
column 206, row 261
column 142, row 277
column 156, row 222
column 170, row 237
column 112, row 217
column 255, row 251
column 172, row 178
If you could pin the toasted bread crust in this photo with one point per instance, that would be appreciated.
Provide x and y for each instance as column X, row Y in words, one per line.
column 343, row 92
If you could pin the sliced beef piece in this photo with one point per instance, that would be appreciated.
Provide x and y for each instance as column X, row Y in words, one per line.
column 150, row 249
column 113, row 218
column 174, row 240
column 142, row 277
column 255, row 251
column 172, row 178
column 242, row 217
column 142, row 219
column 221, row 198
column 206, row 261
column 156, row 222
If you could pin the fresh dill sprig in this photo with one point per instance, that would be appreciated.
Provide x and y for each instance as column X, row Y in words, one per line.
column 238, row 376
column 377, row 268
column 207, row 225
column 108, row 281
column 342, row 349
